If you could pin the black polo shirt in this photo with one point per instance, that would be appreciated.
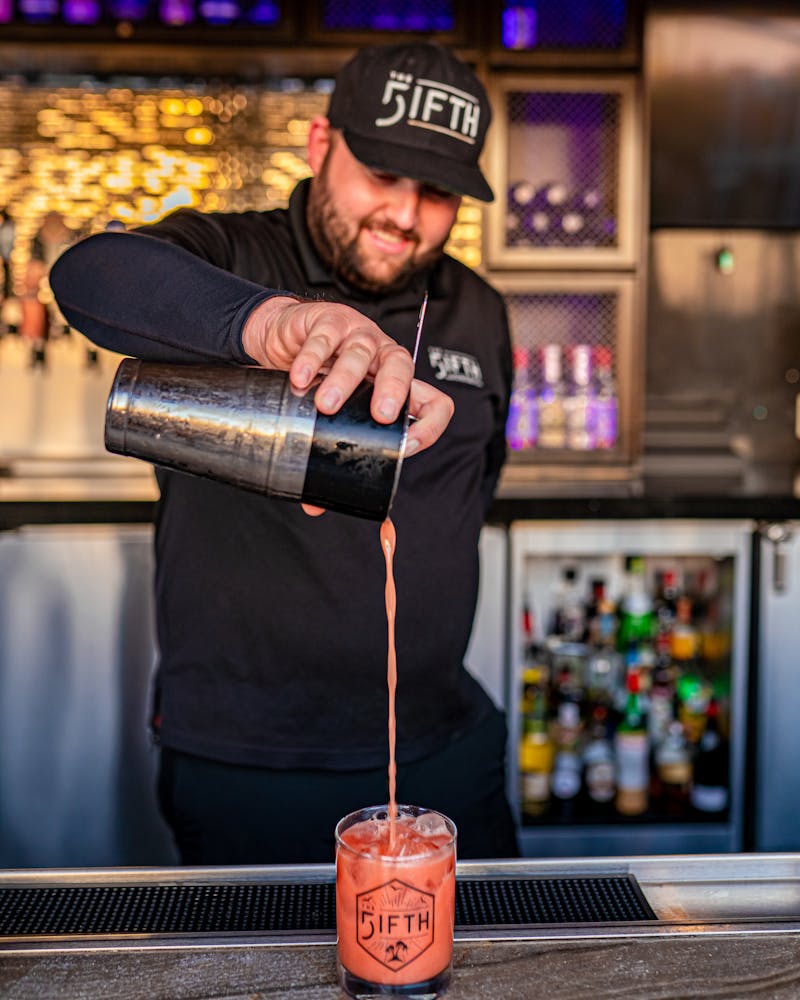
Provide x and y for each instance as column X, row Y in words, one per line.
column 271, row 624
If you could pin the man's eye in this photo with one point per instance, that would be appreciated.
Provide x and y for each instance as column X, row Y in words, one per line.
column 436, row 193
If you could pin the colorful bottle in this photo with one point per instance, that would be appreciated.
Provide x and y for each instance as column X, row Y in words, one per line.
column 709, row 791
column 522, row 411
column 552, row 417
column 631, row 754
column 685, row 639
column 637, row 622
column 598, row 759
column 580, row 429
column 536, row 748
column 566, row 781
column 694, row 695
column 604, row 413
column 569, row 612
column 674, row 769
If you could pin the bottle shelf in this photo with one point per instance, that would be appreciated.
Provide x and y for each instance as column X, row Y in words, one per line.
column 626, row 703
column 565, row 164
column 575, row 397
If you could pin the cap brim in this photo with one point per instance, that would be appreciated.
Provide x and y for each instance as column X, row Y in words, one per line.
column 421, row 165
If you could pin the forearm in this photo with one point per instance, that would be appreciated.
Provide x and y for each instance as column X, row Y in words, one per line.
column 139, row 295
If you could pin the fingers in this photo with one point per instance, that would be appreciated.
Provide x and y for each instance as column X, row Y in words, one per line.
column 433, row 410
column 347, row 347
column 333, row 340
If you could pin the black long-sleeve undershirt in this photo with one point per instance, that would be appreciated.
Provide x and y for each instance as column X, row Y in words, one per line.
column 167, row 304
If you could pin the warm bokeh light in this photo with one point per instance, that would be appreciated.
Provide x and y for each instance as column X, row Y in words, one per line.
column 131, row 151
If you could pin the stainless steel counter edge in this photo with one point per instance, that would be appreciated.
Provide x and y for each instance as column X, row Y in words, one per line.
column 692, row 895
column 56, row 509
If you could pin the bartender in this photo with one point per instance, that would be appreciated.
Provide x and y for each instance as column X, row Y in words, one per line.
column 270, row 698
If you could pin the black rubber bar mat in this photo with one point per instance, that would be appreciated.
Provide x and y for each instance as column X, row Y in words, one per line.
column 304, row 906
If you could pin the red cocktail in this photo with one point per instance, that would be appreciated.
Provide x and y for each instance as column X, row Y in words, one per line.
column 395, row 902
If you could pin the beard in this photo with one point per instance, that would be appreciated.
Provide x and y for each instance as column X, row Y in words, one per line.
column 338, row 247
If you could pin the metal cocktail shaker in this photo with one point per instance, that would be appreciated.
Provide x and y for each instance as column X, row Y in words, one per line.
column 247, row 427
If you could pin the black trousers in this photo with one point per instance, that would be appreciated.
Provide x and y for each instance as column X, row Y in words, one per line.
column 224, row 814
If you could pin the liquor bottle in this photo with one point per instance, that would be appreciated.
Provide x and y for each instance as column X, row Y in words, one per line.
column 607, row 623
column 566, row 780
column 598, row 759
column 600, row 225
column 521, row 423
column 551, row 418
column 573, row 221
column 709, row 790
column 520, row 196
column 569, row 614
column 554, row 197
column 604, row 672
column 674, row 770
column 664, row 604
column 637, row 623
column 540, row 223
column 580, row 432
column 694, row 696
column 604, row 414
column 543, row 216
column 536, row 749
column 597, row 593
column 604, row 665
column 631, row 754
column 661, row 710
column 685, row 639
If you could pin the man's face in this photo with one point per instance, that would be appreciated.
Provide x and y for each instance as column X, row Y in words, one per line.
column 374, row 229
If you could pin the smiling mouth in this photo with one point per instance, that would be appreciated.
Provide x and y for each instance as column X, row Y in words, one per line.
column 390, row 241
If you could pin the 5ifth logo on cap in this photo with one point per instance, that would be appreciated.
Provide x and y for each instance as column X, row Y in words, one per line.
column 431, row 105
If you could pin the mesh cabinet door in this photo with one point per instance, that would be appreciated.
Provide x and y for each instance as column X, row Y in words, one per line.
column 565, row 162
column 575, row 410
column 561, row 33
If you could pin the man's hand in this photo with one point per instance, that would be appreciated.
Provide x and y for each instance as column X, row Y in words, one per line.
column 311, row 338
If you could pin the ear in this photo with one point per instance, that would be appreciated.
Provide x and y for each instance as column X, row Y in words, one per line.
column 319, row 142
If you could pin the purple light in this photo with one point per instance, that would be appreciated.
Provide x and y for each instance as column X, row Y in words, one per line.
column 176, row 12
column 389, row 15
column 81, row 11
column 264, row 12
column 6, row 11
column 564, row 24
column 220, row 11
column 519, row 26
column 38, row 10
column 129, row 10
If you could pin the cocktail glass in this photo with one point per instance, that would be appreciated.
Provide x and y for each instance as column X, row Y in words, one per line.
column 395, row 902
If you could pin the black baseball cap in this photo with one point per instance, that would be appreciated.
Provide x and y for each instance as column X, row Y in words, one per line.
column 415, row 111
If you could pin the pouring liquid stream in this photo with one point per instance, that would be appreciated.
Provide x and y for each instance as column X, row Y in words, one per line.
column 388, row 540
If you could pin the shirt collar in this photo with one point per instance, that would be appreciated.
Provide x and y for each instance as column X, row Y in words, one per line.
column 318, row 274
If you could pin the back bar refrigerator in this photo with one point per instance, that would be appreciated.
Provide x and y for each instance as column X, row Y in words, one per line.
column 627, row 685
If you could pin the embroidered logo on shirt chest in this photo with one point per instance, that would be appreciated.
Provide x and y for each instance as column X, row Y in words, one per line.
column 455, row 366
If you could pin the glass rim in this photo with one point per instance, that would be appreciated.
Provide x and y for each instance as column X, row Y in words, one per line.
column 370, row 812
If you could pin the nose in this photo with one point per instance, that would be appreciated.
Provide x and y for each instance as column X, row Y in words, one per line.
column 403, row 207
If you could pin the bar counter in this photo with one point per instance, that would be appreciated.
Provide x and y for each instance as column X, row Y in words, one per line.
column 726, row 926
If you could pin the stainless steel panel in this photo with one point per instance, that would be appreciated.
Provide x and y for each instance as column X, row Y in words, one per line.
column 486, row 653
column 76, row 652
column 778, row 736
column 723, row 359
